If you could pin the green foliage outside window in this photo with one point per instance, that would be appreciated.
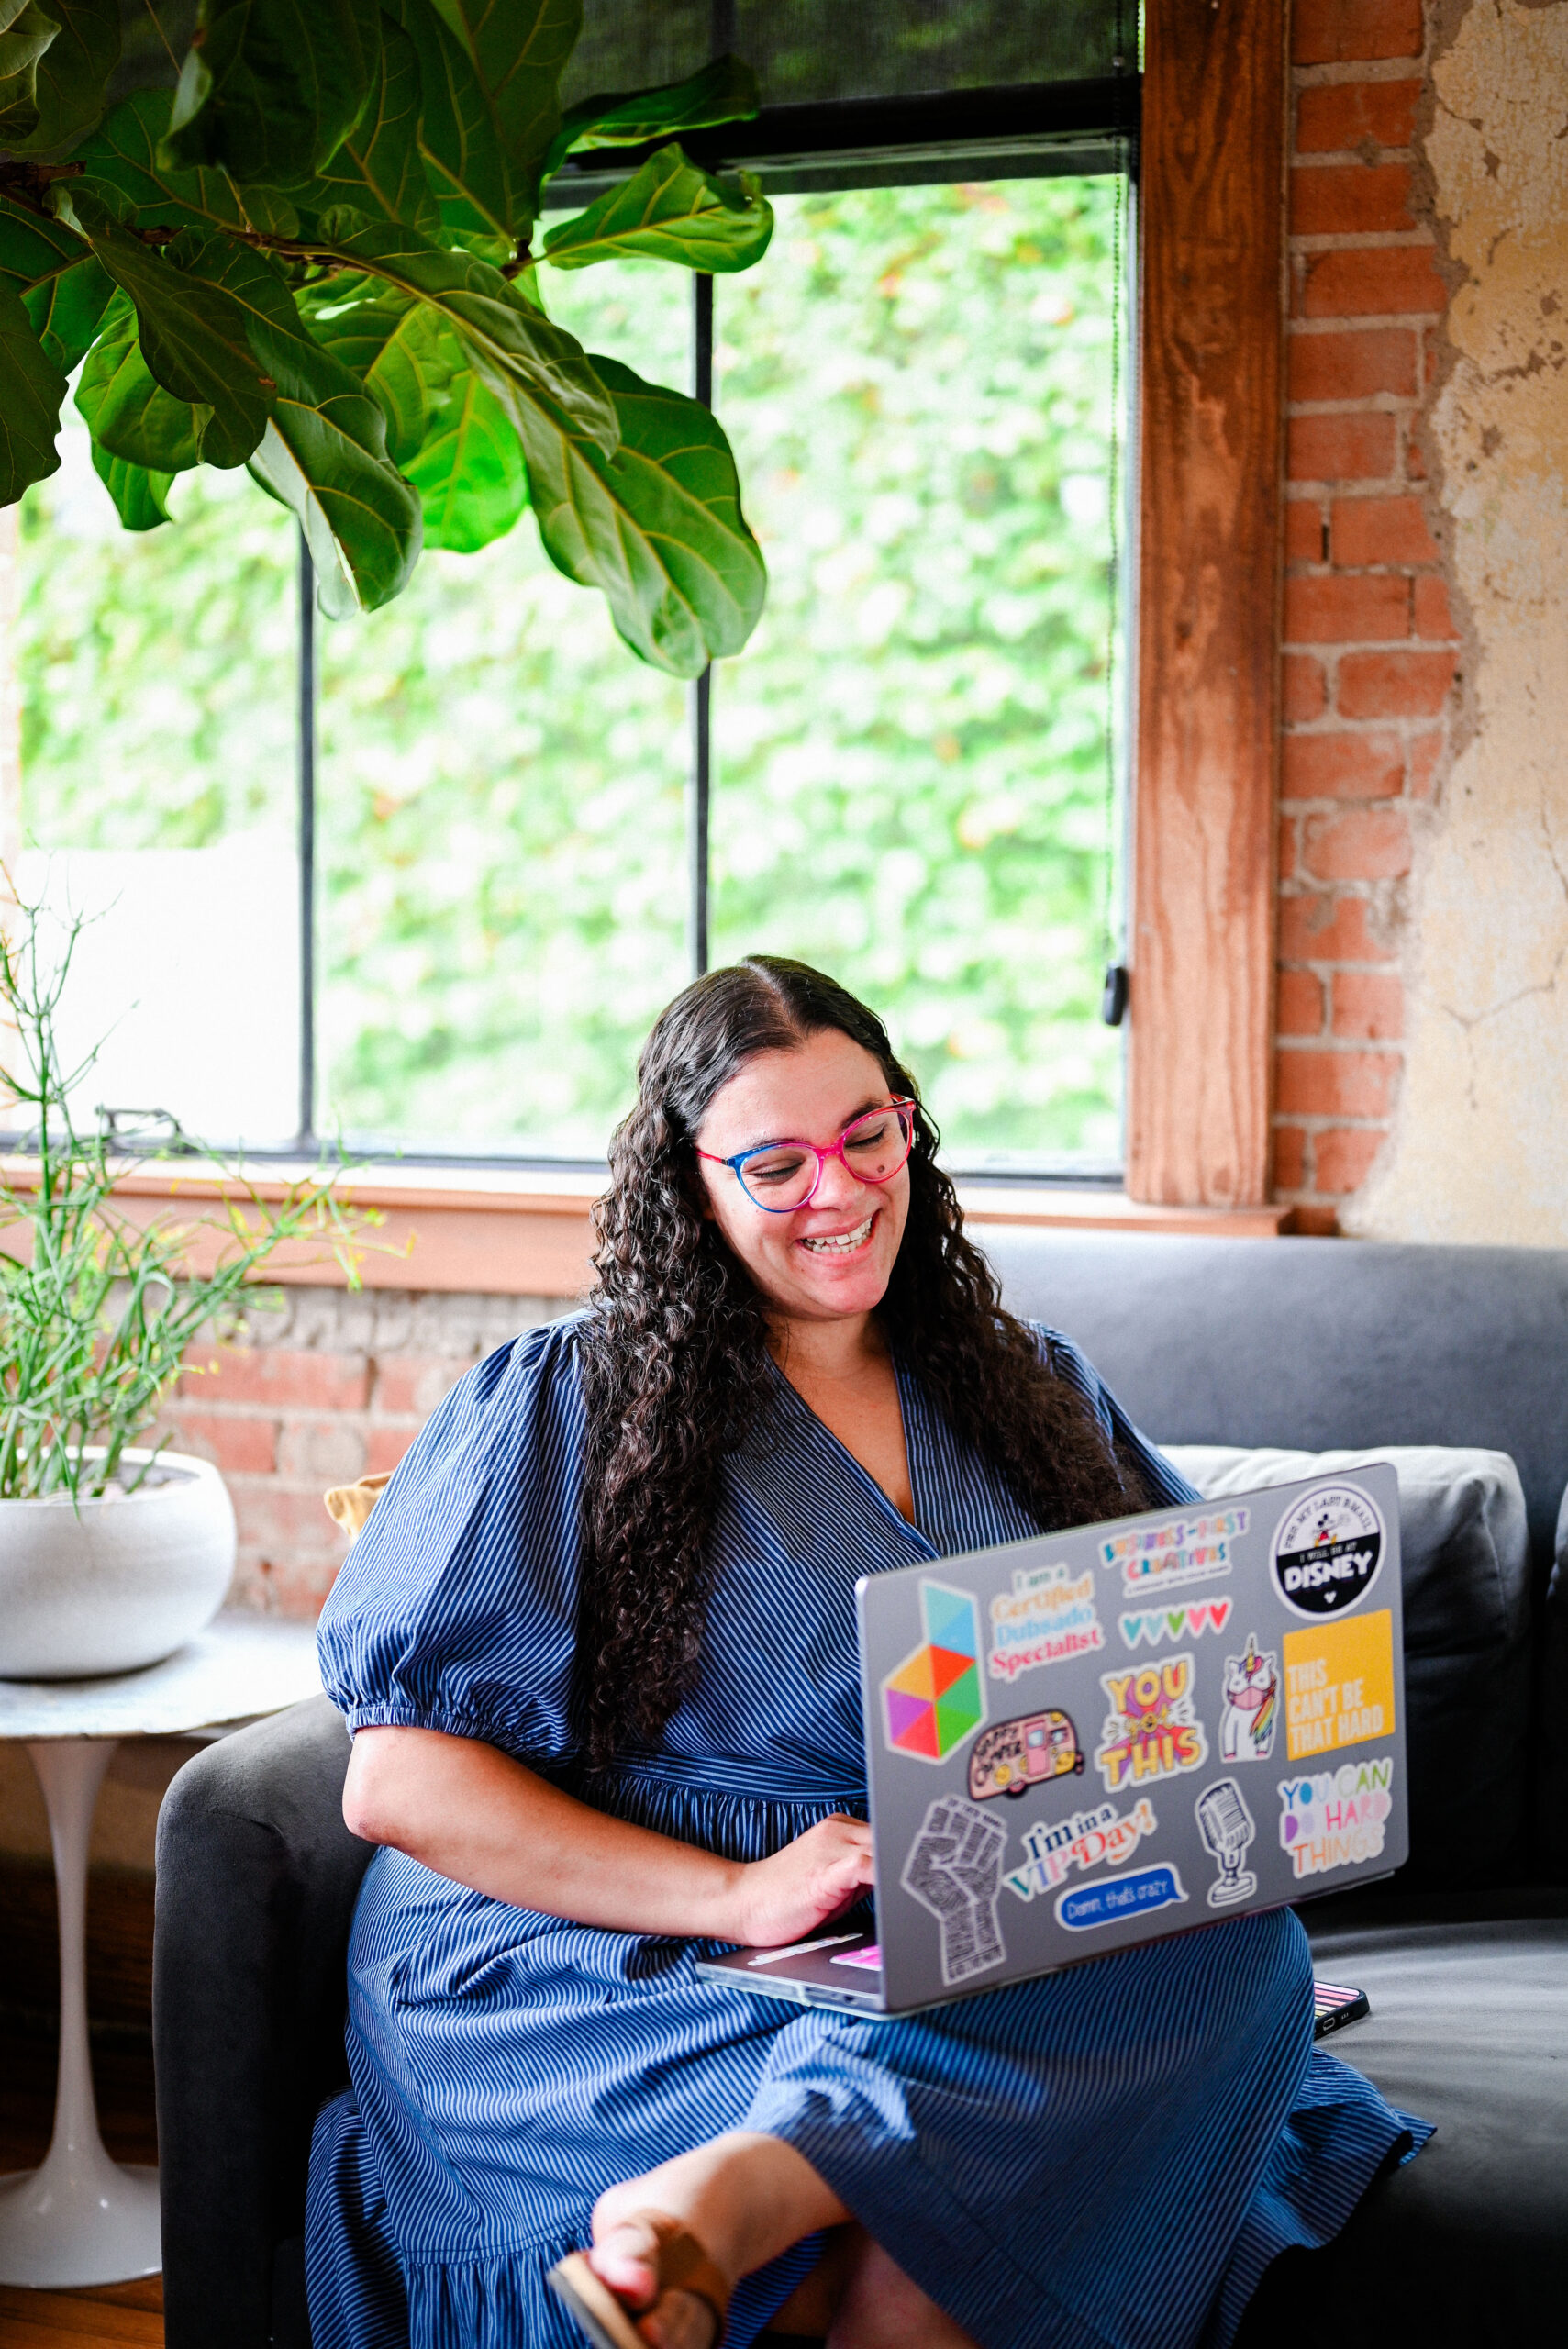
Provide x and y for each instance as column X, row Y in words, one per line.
column 910, row 756
column 910, row 773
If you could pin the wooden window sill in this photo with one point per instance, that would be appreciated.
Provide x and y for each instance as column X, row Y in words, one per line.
column 527, row 1233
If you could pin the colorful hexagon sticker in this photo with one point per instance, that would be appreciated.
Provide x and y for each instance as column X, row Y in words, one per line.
column 936, row 1697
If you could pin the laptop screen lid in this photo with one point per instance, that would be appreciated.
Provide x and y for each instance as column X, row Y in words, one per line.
column 1093, row 1739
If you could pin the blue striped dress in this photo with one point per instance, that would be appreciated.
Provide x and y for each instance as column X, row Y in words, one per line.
column 1109, row 2155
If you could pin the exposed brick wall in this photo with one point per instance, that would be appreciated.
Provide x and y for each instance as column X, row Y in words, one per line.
column 328, row 1387
column 1371, row 652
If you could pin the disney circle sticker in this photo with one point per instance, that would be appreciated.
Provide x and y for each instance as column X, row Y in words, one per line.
column 1328, row 1549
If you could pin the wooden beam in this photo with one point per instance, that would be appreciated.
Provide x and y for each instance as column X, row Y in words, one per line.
column 1212, row 213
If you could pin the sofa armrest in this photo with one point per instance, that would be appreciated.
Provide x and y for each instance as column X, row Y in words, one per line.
column 257, row 1880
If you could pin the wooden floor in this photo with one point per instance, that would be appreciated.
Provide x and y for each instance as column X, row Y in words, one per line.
column 116, row 2314
column 106, row 2318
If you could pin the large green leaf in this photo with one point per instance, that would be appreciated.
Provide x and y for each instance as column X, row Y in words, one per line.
column 518, row 49
column 464, row 159
column 270, row 88
column 70, row 73
column 324, row 449
column 26, row 33
column 669, row 210
column 35, row 246
column 123, row 156
column 725, row 90
column 404, row 356
column 66, row 311
column 192, row 334
column 128, row 413
column 658, row 528
column 517, row 351
column 379, row 168
column 141, row 497
column 31, row 389
column 470, row 473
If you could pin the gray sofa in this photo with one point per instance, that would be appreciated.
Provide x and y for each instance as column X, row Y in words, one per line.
column 1308, row 1344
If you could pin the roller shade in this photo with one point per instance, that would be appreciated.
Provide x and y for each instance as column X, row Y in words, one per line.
column 857, row 91
column 814, row 52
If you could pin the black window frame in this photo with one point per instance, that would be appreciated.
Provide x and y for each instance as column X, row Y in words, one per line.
column 1083, row 129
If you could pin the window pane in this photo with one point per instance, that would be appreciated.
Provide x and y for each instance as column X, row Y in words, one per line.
column 911, row 774
column 501, row 818
column 158, row 790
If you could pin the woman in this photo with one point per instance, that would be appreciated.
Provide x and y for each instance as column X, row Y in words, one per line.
column 597, row 1648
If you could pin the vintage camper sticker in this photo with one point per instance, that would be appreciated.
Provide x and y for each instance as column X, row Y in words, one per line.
column 1250, row 1711
column 1150, row 1732
column 1157, row 1623
column 1339, row 1683
column 1018, row 1754
column 1048, row 1616
column 1328, row 1548
column 954, row 1871
column 1155, row 1559
column 1225, row 1825
column 1117, row 1897
column 935, row 1700
column 1090, row 1839
column 1336, row 1819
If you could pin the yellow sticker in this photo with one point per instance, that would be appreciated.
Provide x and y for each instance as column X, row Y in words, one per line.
column 1338, row 1684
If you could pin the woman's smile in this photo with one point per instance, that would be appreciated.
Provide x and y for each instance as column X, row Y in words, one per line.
column 839, row 1243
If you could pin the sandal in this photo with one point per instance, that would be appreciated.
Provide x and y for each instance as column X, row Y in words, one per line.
column 684, row 2266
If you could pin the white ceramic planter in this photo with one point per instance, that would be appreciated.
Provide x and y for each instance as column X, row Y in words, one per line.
column 118, row 1583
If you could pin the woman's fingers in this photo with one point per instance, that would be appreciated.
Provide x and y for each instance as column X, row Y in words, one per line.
column 626, row 2257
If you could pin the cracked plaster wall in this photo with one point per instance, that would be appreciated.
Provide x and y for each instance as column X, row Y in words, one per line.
column 1480, row 1152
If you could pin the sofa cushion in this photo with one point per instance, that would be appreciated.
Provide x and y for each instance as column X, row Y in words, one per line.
column 1467, row 2245
column 1464, row 1550
column 1552, row 1811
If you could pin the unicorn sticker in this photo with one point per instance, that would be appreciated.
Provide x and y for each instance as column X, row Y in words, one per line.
column 1251, row 1705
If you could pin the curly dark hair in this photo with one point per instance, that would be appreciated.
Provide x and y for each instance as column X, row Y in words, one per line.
column 674, row 1351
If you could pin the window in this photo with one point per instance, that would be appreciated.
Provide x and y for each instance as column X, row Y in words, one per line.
column 515, row 839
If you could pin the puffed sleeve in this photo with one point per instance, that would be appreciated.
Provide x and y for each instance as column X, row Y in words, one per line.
column 1166, row 1485
column 456, row 1607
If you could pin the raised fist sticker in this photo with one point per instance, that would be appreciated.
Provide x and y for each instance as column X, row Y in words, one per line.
column 954, row 1871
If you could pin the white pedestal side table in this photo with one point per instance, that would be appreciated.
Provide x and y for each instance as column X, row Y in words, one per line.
column 82, row 2219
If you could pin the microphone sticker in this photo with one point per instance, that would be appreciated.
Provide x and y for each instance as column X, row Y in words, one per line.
column 1225, row 1825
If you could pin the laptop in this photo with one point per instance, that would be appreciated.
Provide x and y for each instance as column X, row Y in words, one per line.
column 1090, row 1740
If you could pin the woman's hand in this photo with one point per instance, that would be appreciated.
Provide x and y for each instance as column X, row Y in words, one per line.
column 785, row 1897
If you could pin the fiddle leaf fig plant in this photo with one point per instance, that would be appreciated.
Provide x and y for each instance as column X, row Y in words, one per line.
column 97, row 1308
column 319, row 258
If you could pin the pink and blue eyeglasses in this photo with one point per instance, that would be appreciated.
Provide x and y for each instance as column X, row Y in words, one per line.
column 780, row 1176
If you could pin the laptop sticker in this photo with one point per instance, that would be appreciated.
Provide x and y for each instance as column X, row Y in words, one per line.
column 1150, row 1730
column 1156, row 1624
column 869, row 1958
column 935, row 1700
column 1084, row 1842
column 1117, row 1897
column 1250, row 1711
column 1338, row 1685
column 1326, row 1550
column 1336, row 1819
column 1225, row 1825
column 1157, row 1558
column 1028, row 1751
column 1048, row 1616
column 954, row 1871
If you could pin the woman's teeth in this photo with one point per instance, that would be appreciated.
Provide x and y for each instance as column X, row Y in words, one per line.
column 842, row 1243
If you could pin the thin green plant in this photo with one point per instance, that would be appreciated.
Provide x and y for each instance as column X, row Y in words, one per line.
column 97, row 1308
